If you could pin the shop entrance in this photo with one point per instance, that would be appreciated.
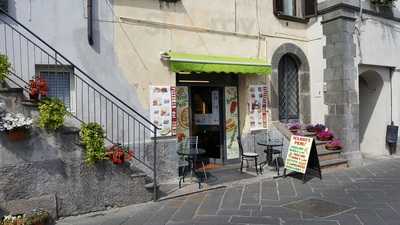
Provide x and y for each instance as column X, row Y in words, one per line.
column 207, row 117
column 210, row 104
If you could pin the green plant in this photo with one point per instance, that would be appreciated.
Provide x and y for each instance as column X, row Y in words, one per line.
column 384, row 2
column 38, row 218
column 92, row 136
column 52, row 112
column 5, row 67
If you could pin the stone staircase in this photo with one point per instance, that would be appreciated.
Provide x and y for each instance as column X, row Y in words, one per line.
column 329, row 160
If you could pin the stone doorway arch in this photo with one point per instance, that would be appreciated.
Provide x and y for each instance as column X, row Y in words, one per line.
column 304, row 100
column 374, row 111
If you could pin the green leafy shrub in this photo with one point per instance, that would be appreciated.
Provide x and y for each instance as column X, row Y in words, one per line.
column 384, row 2
column 92, row 137
column 5, row 67
column 37, row 218
column 52, row 112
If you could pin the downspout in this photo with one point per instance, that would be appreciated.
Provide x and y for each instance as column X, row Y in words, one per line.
column 90, row 21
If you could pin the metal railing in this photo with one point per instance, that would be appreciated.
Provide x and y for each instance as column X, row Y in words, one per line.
column 86, row 99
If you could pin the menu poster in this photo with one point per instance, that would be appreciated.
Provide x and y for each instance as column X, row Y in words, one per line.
column 257, row 107
column 182, row 111
column 232, row 122
column 161, row 109
column 210, row 118
column 298, row 153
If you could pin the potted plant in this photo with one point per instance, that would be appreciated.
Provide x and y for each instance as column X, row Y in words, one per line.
column 92, row 137
column 334, row 145
column 13, row 220
column 5, row 67
column 52, row 112
column 310, row 128
column 294, row 127
column 325, row 135
column 38, row 88
column 15, row 125
column 384, row 2
column 119, row 154
column 319, row 127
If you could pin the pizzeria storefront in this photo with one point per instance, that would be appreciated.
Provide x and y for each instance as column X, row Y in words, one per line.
column 215, row 98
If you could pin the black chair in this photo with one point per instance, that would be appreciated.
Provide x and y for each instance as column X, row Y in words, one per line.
column 247, row 156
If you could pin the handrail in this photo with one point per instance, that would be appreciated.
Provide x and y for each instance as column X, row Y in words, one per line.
column 80, row 70
column 123, row 125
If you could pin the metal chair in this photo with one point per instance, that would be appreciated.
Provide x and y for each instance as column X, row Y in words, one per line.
column 277, row 154
column 191, row 143
column 247, row 156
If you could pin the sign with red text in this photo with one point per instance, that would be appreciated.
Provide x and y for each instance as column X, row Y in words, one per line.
column 298, row 153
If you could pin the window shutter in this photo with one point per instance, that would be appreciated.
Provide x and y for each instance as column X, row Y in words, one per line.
column 278, row 7
column 310, row 8
column 4, row 5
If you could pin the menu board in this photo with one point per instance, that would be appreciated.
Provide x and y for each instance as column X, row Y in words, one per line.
column 210, row 118
column 232, row 122
column 298, row 153
column 257, row 107
column 161, row 109
column 182, row 111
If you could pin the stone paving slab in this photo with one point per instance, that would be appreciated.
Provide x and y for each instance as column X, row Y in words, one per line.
column 370, row 193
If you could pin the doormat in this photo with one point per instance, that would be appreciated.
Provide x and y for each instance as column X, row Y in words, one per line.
column 209, row 166
column 317, row 207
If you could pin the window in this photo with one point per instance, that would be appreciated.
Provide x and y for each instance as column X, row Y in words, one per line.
column 4, row 5
column 295, row 10
column 60, row 83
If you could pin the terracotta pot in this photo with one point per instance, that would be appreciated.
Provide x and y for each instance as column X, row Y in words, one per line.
column 324, row 139
column 332, row 147
column 16, row 135
column 294, row 131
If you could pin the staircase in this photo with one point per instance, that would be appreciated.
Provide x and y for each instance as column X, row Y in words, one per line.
column 89, row 102
column 329, row 160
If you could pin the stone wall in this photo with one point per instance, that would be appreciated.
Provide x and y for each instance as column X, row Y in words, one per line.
column 341, row 79
column 49, row 163
column 52, row 164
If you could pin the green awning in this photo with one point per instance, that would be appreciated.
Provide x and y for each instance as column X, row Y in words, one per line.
column 183, row 62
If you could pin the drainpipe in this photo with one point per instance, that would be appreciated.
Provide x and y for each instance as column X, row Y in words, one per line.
column 391, row 130
column 90, row 21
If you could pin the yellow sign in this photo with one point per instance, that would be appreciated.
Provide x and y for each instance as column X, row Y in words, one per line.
column 298, row 154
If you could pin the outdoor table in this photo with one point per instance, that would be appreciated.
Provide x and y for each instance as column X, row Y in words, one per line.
column 270, row 149
column 190, row 156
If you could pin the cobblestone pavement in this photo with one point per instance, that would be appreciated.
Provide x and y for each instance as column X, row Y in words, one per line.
column 368, row 195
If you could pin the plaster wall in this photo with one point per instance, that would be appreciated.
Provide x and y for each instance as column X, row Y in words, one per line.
column 374, row 110
column 63, row 24
column 224, row 27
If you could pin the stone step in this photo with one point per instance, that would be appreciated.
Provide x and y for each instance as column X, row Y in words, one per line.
column 329, row 155
column 333, row 165
column 11, row 90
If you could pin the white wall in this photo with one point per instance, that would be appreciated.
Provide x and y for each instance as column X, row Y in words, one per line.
column 317, row 65
column 63, row 24
column 374, row 109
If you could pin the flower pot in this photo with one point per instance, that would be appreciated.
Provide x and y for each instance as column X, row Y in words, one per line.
column 332, row 147
column 324, row 138
column 294, row 131
column 16, row 135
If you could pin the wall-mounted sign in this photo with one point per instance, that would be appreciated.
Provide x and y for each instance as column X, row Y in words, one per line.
column 182, row 111
column 161, row 109
column 210, row 118
column 257, row 107
column 232, row 122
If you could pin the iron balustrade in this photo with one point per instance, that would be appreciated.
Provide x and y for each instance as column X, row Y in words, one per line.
column 89, row 101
